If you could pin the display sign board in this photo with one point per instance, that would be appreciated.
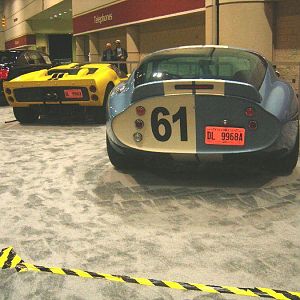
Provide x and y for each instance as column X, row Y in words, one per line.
column 21, row 41
column 131, row 12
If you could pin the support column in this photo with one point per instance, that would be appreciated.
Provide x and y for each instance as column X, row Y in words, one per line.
column 211, row 22
column 132, row 43
column 247, row 24
column 93, row 47
column 2, row 40
column 79, row 40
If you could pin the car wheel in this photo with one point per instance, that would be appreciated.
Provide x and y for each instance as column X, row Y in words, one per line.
column 99, row 112
column 118, row 160
column 26, row 115
column 285, row 165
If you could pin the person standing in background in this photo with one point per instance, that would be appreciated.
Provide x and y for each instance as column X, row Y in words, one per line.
column 108, row 53
column 120, row 54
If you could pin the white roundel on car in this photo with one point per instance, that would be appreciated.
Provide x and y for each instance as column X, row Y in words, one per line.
column 168, row 124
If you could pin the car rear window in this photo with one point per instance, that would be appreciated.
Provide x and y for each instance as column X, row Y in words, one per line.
column 8, row 57
column 205, row 63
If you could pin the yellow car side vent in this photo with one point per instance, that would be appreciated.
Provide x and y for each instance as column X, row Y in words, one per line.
column 56, row 76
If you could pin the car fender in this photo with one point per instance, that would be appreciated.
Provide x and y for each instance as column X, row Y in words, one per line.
column 279, row 99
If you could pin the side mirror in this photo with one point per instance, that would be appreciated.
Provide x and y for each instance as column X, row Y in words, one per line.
column 275, row 69
column 138, row 78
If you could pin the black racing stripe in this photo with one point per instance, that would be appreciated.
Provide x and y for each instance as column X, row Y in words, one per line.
column 236, row 89
column 95, row 275
column 158, row 283
column 127, row 279
column 260, row 293
column 148, row 91
column 69, row 272
column 43, row 269
column 288, row 295
column 10, row 257
column 189, row 286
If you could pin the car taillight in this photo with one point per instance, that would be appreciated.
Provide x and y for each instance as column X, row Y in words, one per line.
column 140, row 110
column 252, row 124
column 4, row 74
column 138, row 137
column 139, row 124
column 249, row 112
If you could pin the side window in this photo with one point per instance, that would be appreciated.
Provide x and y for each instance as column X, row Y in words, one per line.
column 140, row 75
column 34, row 58
column 46, row 58
column 22, row 60
column 149, row 71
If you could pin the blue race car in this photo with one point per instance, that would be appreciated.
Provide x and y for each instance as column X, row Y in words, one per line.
column 204, row 101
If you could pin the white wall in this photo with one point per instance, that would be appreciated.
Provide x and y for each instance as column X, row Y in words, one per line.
column 17, row 12
column 50, row 3
column 2, row 37
column 42, row 42
column 172, row 32
column 53, row 27
column 80, row 7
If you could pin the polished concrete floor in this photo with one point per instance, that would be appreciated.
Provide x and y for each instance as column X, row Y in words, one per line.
column 63, row 204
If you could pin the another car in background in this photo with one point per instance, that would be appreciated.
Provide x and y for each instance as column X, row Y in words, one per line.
column 14, row 63
column 198, row 101
column 63, row 89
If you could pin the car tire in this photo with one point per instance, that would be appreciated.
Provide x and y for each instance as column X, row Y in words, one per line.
column 118, row 160
column 100, row 112
column 26, row 115
column 285, row 165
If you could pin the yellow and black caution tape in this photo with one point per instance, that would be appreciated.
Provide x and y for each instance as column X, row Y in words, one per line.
column 10, row 260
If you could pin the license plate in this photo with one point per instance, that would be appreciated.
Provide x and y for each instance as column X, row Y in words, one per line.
column 73, row 94
column 225, row 136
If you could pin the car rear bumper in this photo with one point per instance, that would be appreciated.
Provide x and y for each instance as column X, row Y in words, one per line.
column 24, row 94
column 281, row 145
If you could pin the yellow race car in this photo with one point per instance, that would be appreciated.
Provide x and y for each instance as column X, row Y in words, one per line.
column 63, row 89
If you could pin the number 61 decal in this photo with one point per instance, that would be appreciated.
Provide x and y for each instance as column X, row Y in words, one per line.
column 157, row 122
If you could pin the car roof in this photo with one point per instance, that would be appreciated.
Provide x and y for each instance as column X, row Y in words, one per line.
column 11, row 51
column 20, row 51
column 193, row 49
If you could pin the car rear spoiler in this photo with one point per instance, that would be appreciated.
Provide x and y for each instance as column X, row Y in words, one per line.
column 197, row 87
